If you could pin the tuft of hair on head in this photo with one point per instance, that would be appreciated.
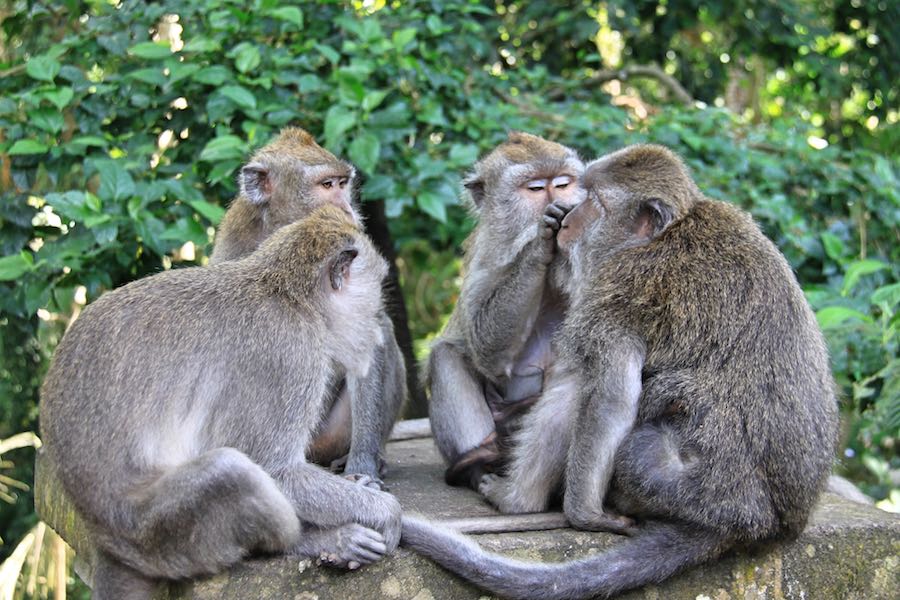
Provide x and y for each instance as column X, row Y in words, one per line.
column 522, row 147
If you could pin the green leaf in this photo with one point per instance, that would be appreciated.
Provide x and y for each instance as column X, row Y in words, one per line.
column 60, row 97
column 337, row 121
column 212, row 212
column 48, row 119
column 14, row 266
column 291, row 14
column 201, row 44
column 115, row 182
column 328, row 52
column 179, row 71
column 223, row 148
column 350, row 90
column 151, row 76
column 240, row 95
column 246, row 57
column 402, row 37
column 42, row 68
column 433, row 205
column 151, row 50
column 28, row 147
column 373, row 99
column 857, row 269
column 887, row 294
column 216, row 75
column 463, row 155
column 364, row 151
column 833, row 316
column 834, row 247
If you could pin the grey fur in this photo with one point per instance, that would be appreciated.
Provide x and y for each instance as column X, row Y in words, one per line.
column 704, row 404
column 294, row 167
column 180, row 429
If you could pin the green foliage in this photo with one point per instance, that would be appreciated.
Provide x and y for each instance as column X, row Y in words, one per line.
column 122, row 127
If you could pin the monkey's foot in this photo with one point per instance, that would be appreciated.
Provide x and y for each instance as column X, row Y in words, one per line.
column 347, row 546
column 499, row 491
column 367, row 481
column 468, row 468
column 602, row 521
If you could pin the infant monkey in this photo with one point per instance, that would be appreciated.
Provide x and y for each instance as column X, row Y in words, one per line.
column 705, row 408
column 180, row 430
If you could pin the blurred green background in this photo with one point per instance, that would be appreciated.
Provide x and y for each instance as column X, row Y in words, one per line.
column 122, row 125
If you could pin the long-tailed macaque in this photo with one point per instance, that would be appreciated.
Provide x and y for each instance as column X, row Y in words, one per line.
column 178, row 410
column 491, row 361
column 285, row 181
column 704, row 408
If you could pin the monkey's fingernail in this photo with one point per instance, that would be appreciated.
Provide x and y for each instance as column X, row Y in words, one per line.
column 352, row 565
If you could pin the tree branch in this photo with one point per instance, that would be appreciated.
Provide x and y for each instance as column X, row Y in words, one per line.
column 623, row 74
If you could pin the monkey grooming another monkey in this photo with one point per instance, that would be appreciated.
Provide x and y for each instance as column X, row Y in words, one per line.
column 705, row 407
column 492, row 359
column 178, row 410
column 283, row 182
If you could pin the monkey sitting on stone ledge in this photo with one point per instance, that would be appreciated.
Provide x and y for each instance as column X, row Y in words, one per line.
column 178, row 410
column 704, row 413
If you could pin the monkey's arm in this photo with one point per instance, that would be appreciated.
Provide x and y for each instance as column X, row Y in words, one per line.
column 502, row 303
column 607, row 408
column 328, row 500
column 375, row 401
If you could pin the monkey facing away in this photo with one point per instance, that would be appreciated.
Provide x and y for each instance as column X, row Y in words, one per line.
column 491, row 360
column 179, row 429
column 705, row 407
column 283, row 182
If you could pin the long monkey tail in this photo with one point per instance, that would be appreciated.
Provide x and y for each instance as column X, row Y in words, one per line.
column 659, row 551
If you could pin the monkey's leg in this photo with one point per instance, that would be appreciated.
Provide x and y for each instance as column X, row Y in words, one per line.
column 375, row 401
column 114, row 581
column 328, row 501
column 538, row 454
column 201, row 517
column 607, row 408
column 461, row 420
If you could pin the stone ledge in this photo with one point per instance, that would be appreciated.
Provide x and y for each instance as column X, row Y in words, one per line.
column 849, row 551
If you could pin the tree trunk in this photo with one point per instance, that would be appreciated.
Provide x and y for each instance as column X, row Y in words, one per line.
column 377, row 228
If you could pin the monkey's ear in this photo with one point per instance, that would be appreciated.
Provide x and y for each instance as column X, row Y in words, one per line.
column 255, row 184
column 340, row 268
column 475, row 185
column 653, row 217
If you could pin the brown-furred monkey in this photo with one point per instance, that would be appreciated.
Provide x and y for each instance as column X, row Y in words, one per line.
column 493, row 359
column 704, row 407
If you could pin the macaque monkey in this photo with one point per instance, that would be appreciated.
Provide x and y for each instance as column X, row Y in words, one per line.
column 283, row 182
column 704, row 408
column 178, row 410
column 491, row 362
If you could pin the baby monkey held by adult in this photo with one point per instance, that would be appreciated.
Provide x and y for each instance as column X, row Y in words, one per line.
column 703, row 411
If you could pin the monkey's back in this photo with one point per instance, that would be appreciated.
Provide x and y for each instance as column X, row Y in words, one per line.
column 735, row 363
column 151, row 374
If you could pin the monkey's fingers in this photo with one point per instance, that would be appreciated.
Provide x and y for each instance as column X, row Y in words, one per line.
column 557, row 211
column 551, row 223
column 607, row 522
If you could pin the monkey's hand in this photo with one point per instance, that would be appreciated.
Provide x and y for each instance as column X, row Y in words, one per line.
column 601, row 521
column 500, row 492
column 347, row 546
column 382, row 512
column 551, row 222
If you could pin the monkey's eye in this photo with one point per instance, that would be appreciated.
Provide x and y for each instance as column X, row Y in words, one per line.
column 328, row 183
column 343, row 181
column 536, row 185
column 561, row 182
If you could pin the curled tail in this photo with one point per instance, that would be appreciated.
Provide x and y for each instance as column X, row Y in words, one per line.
column 659, row 551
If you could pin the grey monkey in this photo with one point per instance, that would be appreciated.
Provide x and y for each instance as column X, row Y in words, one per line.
column 285, row 181
column 178, row 410
column 704, row 407
column 490, row 362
